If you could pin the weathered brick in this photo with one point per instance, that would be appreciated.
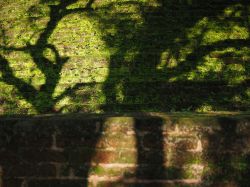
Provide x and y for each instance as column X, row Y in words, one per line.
column 153, row 156
column 100, row 170
column 117, row 140
column 179, row 159
column 121, row 124
column 57, row 183
column 122, row 156
column 100, row 156
column 186, row 144
column 28, row 133
column 150, row 149
column 9, row 156
column 34, row 155
column 12, row 182
column 152, row 141
column 153, row 124
column 225, row 184
column 87, row 139
column 29, row 170
column 31, row 155
column 79, row 132
column 146, row 184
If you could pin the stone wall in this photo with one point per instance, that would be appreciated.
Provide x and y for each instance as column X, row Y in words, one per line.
column 125, row 150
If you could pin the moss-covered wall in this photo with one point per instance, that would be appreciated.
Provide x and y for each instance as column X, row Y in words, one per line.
column 132, row 150
column 124, row 55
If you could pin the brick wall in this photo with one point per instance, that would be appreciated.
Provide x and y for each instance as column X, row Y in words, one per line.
column 132, row 150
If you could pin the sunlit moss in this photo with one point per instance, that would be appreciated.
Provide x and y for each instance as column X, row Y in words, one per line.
column 220, row 30
column 237, row 98
column 63, row 103
column 49, row 54
column 82, row 40
column 248, row 92
column 198, row 29
column 239, row 32
column 23, row 67
column 119, row 93
column 204, row 108
column 124, row 46
column 209, row 66
column 18, row 27
column 235, row 73
column 234, row 11
column 13, row 102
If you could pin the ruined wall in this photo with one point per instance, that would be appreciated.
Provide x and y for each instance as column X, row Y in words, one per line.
column 130, row 150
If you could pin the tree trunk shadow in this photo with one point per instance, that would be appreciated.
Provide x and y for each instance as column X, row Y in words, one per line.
column 227, row 155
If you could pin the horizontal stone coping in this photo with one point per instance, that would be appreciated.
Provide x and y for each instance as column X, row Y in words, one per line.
column 133, row 115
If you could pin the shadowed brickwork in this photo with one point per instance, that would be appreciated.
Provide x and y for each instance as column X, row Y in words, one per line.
column 129, row 150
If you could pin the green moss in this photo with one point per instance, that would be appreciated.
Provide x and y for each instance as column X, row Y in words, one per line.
column 120, row 51
column 102, row 171
column 129, row 121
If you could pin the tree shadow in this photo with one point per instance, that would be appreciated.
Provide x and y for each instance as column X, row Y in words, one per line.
column 156, row 77
column 226, row 151
column 149, row 78
column 158, row 62
column 48, row 151
column 81, row 148
column 50, row 68
column 150, row 149
column 143, row 83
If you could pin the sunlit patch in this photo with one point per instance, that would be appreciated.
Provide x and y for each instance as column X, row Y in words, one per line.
column 130, row 55
column 173, row 79
column 209, row 66
column 167, row 61
column 20, row 23
column 205, row 108
column 119, row 92
column 233, row 11
column 220, row 33
column 25, row 108
column 63, row 104
column 213, row 36
column 23, row 67
column 248, row 92
column 235, row 73
column 13, row 105
column 37, row 18
column 243, row 52
column 82, row 40
column 237, row 98
column 79, row 4
column 198, row 29
column 163, row 61
column 50, row 55
column 239, row 32
column 86, row 52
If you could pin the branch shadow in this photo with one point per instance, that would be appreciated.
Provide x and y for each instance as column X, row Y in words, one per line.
column 164, row 28
column 51, row 69
column 143, row 84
